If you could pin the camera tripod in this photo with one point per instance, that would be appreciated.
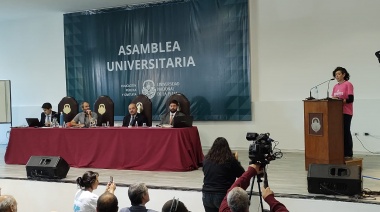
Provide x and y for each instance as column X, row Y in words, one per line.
column 259, row 180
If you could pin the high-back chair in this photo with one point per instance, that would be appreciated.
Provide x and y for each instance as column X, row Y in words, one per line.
column 144, row 106
column 184, row 104
column 69, row 106
column 105, row 109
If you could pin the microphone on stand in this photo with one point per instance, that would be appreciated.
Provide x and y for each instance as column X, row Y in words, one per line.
column 328, row 87
column 310, row 97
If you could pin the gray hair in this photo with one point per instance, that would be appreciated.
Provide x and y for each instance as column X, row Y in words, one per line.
column 237, row 200
column 136, row 192
column 7, row 202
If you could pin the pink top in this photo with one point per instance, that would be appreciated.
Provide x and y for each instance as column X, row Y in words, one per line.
column 342, row 90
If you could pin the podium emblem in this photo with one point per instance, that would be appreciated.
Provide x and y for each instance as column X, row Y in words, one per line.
column 316, row 124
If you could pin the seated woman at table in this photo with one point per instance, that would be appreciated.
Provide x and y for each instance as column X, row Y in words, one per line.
column 85, row 200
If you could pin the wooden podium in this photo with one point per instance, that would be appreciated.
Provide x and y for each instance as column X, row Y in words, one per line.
column 323, row 123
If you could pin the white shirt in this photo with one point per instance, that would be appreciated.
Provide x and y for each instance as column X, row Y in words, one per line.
column 48, row 118
column 85, row 201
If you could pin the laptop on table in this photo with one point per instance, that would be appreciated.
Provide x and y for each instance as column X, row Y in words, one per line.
column 182, row 121
column 33, row 122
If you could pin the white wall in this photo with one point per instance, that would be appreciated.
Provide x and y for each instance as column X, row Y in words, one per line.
column 295, row 44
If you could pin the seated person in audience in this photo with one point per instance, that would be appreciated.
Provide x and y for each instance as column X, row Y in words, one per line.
column 84, row 118
column 133, row 117
column 139, row 196
column 107, row 202
column 169, row 116
column 237, row 199
column 174, row 205
column 85, row 200
column 48, row 115
column 8, row 203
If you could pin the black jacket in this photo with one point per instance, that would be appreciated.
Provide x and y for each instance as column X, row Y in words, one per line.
column 140, row 118
column 43, row 117
column 218, row 178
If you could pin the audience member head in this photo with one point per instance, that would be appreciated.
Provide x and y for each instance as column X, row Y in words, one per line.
column 107, row 202
column 174, row 205
column 89, row 181
column 47, row 108
column 132, row 109
column 138, row 194
column 343, row 72
column 220, row 151
column 85, row 106
column 237, row 200
column 173, row 106
column 8, row 203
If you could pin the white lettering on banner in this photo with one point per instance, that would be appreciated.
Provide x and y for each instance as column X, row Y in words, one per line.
column 148, row 48
column 160, row 63
column 149, row 64
column 129, row 86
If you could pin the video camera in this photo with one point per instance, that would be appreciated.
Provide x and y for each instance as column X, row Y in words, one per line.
column 261, row 151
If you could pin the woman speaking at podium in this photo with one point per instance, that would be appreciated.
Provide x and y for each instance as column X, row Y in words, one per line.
column 344, row 90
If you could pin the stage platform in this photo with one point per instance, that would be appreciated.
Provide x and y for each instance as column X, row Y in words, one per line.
column 287, row 177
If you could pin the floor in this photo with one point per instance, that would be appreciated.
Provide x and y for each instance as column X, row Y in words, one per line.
column 286, row 176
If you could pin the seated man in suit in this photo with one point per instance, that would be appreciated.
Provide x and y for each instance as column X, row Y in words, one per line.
column 169, row 116
column 48, row 115
column 83, row 119
column 133, row 117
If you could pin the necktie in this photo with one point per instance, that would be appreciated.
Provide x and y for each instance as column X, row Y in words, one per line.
column 132, row 120
column 171, row 119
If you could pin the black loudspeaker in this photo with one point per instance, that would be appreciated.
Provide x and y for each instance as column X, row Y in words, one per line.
column 334, row 179
column 51, row 167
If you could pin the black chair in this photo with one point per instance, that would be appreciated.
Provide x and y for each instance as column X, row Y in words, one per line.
column 105, row 109
column 184, row 104
column 69, row 106
column 144, row 106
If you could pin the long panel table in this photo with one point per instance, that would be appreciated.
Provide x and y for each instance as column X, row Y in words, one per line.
column 160, row 149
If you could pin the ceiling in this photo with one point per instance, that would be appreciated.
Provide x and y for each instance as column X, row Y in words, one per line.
column 21, row 9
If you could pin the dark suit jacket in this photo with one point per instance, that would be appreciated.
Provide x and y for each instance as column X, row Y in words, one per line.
column 140, row 118
column 165, row 119
column 43, row 117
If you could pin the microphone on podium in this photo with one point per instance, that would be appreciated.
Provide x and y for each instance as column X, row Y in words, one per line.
column 378, row 55
column 328, row 87
column 311, row 98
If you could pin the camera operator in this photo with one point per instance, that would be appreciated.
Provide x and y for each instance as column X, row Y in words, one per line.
column 237, row 199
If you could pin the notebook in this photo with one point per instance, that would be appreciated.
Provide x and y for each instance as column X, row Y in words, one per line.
column 182, row 121
column 33, row 122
